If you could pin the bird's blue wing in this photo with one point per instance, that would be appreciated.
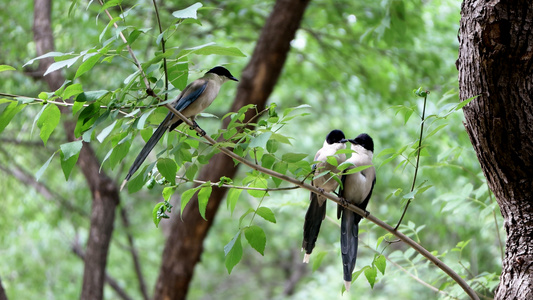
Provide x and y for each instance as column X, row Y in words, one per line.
column 190, row 97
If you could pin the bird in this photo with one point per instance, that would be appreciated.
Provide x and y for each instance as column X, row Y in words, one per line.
column 356, row 189
column 316, row 212
column 196, row 97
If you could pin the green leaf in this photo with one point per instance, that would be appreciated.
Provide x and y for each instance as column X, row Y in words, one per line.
column 191, row 171
column 293, row 157
column 260, row 140
column 168, row 168
column 70, row 149
column 256, row 237
column 272, row 146
column 67, row 164
column 72, row 90
column 168, row 192
column 268, row 160
column 186, row 197
column 232, row 198
column 43, row 168
column 6, row 68
column 210, row 49
column 371, row 274
column 142, row 119
column 137, row 182
column 435, row 130
column 88, row 64
column 9, row 112
column 102, row 136
column 203, row 198
column 332, row 160
column 91, row 96
column 465, row 102
column 119, row 152
column 61, row 64
column 381, row 263
column 155, row 213
column 48, row 121
column 266, row 213
column 317, row 260
column 189, row 12
column 233, row 252
column 49, row 54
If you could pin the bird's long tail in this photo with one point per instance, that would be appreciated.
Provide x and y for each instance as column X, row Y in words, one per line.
column 146, row 150
column 313, row 219
column 349, row 243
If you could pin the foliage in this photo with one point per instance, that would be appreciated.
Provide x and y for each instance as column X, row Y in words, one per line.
column 353, row 66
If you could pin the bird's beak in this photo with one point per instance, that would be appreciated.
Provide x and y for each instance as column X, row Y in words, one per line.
column 353, row 142
column 233, row 78
column 343, row 141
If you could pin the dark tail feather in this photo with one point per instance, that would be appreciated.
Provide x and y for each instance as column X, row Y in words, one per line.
column 313, row 219
column 349, row 243
column 146, row 150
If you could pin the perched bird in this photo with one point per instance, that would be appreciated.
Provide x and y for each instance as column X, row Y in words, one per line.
column 317, row 208
column 356, row 189
column 196, row 97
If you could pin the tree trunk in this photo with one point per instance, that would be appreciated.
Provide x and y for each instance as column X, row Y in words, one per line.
column 495, row 62
column 103, row 189
column 185, row 243
column 3, row 295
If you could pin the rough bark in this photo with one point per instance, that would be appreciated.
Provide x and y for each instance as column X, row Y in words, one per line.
column 104, row 190
column 3, row 295
column 495, row 62
column 185, row 243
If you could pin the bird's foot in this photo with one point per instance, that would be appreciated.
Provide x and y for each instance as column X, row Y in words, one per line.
column 194, row 126
column 321, row 190
column 344, row 202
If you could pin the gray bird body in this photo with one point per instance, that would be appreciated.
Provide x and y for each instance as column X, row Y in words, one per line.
column 196, row 97
column 357, row 189
column 317, row 206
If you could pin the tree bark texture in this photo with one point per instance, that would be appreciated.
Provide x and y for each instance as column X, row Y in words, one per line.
column 3, row 295
column 103, row 189
column 185, row 242
column 495, row 62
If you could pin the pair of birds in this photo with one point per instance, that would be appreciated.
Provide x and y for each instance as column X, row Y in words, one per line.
column 356, row 188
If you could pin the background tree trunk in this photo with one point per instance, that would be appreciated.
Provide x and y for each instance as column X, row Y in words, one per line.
column 495, row 62
column 185, row 242
column 103, row 189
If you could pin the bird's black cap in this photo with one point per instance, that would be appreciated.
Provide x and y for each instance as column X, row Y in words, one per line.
column 335, row 136
column 364, row 140
column 221, row 71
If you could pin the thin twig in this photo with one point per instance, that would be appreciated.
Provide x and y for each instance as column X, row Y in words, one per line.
column 229, row 186
column 417, row 160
